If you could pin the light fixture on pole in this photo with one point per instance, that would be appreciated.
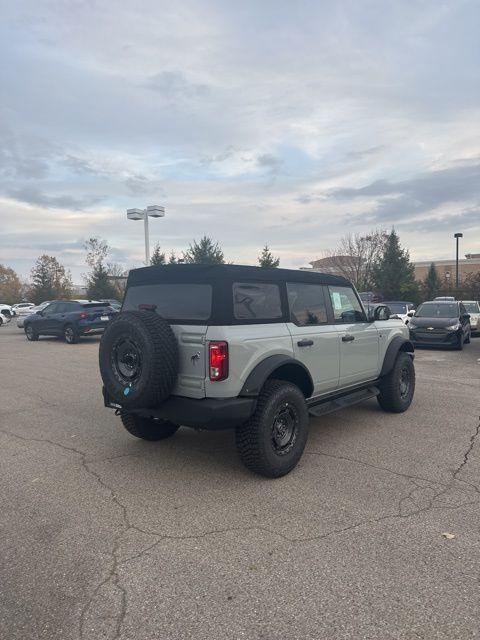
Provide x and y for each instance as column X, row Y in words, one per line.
column 153, row 211
column 457, row 236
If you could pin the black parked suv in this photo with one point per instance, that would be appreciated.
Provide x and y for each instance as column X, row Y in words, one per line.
column 440, row 323
column 69, row 319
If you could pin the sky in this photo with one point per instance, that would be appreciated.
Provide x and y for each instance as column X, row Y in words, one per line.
column 283, row 122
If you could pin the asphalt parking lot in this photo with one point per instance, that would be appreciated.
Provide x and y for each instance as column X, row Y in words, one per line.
column 106, row 536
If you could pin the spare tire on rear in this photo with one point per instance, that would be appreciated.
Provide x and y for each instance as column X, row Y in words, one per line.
column 138, row 359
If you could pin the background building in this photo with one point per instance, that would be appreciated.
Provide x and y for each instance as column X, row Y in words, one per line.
column 446, row 268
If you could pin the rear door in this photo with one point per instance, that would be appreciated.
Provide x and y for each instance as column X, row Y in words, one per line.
column 314, row 338
column 187, row 307
column 358, row 338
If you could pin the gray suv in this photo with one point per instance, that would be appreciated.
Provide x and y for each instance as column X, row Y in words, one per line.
column 249, row 348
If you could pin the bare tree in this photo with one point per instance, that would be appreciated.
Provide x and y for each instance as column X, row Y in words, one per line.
column 355, row 256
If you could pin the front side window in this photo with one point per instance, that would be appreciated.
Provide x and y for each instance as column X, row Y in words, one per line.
column 346, row 306
column 256, row 301
column 307, row 303
column 51, row 309
column 181, row 302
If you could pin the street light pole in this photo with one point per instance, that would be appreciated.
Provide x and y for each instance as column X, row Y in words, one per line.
column 457, row 236
column 147, row 240
column 152, row 211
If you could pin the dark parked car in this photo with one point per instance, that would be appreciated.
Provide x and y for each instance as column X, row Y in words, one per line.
column 440, row 323
column 69, row 319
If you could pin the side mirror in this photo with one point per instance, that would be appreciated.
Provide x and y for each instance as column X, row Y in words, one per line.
column 411, row 313
column 466, row 316
column 39, row 313
column 382, row 312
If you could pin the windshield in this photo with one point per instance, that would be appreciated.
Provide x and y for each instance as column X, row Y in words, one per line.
column 472, row 307
column 397, row 307
column 441, row 310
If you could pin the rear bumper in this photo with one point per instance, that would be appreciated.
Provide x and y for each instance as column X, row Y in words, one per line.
column 213, row 414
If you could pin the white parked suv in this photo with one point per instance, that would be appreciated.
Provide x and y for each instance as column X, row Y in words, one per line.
column 249, row 348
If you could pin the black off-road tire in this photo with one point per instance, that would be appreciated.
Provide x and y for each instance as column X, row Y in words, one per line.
column 398, row 386
column 138, row 359
column 148, row 428
column 256, row 440
column 30, row 332
column 70, row 335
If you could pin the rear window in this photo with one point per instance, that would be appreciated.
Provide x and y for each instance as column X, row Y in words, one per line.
column 256, row 301
column 173, row 301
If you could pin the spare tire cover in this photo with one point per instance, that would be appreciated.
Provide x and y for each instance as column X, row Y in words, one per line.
column 138, row 359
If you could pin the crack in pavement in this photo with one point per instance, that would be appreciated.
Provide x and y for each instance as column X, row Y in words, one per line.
column 113, row 576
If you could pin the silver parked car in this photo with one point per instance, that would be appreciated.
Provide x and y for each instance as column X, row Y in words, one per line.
column 473, row 309
column 23, row 316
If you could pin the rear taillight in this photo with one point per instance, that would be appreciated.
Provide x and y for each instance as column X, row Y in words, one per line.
column 218, row 360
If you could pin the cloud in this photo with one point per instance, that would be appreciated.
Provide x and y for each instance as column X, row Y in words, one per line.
column 237, row 116
column 32, row 195
column 424, row 192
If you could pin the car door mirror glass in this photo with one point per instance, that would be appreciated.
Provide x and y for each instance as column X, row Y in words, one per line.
column 382, row 312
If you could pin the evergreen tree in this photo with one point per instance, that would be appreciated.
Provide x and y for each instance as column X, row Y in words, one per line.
column 99, row 285
column 158, row 258
column 10, row 286
column 266, row 259
column 204, row 252
column 393, row 273
column 432, row 283
column 50, row 280
column 173, row 258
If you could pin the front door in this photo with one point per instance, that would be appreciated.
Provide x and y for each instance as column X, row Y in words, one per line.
column 47, row 323
column 315, row 340
column 358, row 338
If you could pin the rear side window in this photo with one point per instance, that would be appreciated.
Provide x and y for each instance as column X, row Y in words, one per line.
column 256, row 301
column 182, row 302
column 307, row 303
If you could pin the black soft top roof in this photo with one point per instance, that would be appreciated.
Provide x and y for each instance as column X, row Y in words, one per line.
column 226, row 272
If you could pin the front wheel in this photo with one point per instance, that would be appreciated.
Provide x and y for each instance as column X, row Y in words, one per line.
column 148, row 428
column 31, row 334
column 70, row 335
column 398, row 386
column 272, row 441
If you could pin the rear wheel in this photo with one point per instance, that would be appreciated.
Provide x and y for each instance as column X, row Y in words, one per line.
column 398, row 386
column 70, row 335
column 152, row 429
column 272, row 441
column 31, row 334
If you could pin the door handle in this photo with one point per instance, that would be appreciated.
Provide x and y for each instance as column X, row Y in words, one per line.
column 348, row 338
column 305, row 343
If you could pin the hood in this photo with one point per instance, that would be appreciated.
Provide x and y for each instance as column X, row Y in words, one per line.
column 437, row 323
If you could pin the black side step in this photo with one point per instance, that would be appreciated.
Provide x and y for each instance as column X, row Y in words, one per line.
column 329, row 406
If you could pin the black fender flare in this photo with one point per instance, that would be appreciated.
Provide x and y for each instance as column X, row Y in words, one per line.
column 264, row 369
column 397, row 344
